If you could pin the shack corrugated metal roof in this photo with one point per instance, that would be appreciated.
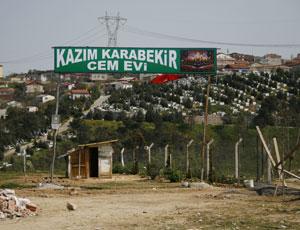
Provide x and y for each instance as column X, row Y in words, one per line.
column 97, row 144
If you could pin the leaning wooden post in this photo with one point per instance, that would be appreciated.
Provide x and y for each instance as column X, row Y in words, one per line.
column 271, row 158
column 237, row 158
column 122, row 157
column 204, row 129
column 279, row 169
column 208, row 158
column 166, row 155
column 79, row 161
column 265, row 145
column 269, row 171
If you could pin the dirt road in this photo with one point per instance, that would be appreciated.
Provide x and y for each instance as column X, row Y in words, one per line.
column 157, row 208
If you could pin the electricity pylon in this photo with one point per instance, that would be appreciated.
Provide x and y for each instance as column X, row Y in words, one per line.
column 112, row 25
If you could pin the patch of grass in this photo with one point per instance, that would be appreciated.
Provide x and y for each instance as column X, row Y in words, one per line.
column 91, row 188
column 14, row 186
column 10, row 175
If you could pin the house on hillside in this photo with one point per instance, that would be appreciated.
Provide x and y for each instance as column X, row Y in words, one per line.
column 271, row 59
column 6, row 93
column 32, row 109
column 43, row 98
column 15, row 104
column 90, row 160
column 68, row 85
column 78, row 93
column 234, row 68
column 128, row 79
column 121, row 85
column 34, row 87
column 223, row 60
column 3, row 84
column 20, row 79
column 272, row 68
column 255, row 68
column 3, row 114
column 100, row 77
column 294, row 63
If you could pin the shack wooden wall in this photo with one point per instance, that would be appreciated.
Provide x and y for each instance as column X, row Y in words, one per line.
column 83, row 154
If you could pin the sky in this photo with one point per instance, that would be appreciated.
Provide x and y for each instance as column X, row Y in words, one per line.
column 29, row 29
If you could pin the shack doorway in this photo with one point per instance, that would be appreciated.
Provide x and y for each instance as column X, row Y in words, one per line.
column 93, row 162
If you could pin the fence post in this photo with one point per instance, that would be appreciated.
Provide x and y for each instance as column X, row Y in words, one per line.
column 237, row 158
column 208, row 158
column 122, row 157
column 188, row 166
column 166, row 155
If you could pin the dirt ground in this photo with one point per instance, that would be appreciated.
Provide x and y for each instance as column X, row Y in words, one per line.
column 129, row 202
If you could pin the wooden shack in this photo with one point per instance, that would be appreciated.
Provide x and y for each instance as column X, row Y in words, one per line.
column 91, row 160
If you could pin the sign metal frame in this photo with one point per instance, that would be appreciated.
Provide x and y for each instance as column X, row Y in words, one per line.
column 69, row 59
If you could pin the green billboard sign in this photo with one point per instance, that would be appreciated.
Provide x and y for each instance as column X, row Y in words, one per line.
column 135, row 60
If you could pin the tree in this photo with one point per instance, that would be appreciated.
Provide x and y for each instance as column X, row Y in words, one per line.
column 157, row 119
column 188, row 103
column 150, row 115
column 164, row 103
column 97, row 114
column 1, row 155
column 140, row 116
column 18, row 149
column 109, row 116
column 19, row 91
column 75, row 124
column 122, row 116
column 83, row 133
column 90, row 115
column 95, row 92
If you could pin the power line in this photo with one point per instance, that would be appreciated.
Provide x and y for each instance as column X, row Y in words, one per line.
column 136, row 30
column 112, row 25
column 49, row 53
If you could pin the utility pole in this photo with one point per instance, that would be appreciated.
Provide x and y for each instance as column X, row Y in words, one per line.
column 112, row 26
column 55, row 126
column 204, row 129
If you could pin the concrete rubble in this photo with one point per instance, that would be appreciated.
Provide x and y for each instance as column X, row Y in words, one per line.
column 13, row 207
column 45, row 185
column 199, row 185
column 71, row 206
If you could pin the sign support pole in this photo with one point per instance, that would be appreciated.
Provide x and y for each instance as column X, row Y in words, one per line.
column 204, row 129
column 55, row 130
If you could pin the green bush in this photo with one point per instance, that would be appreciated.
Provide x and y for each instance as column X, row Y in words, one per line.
column 226, row 179
column 152, row 171
column 1, row 155
column 118, row 168
column 173, row 175
column 11, row 186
